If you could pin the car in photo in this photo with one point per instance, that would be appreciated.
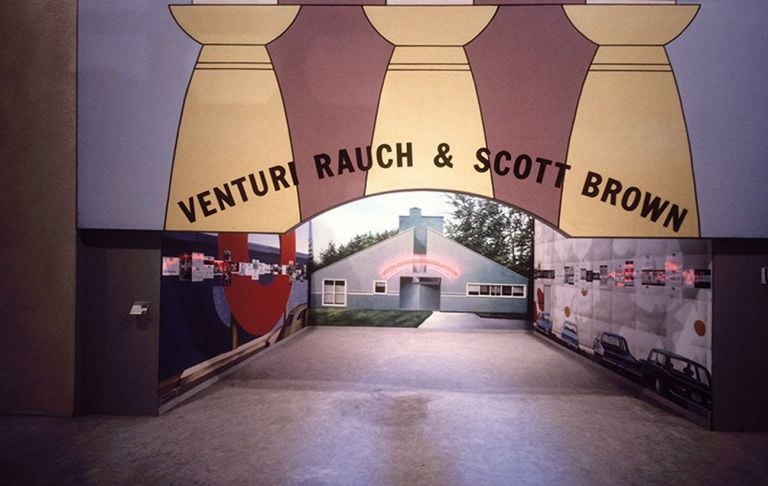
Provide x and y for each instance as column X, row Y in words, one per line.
column 612, row 349
column 570, row 335
column 678, row 378
column 544, row 323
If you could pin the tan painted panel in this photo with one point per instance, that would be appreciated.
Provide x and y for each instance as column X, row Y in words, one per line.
column 233, row 126
column 629, row 126
column 427, row 109
column 429, row 25
column 234, row 24
column 631, row 24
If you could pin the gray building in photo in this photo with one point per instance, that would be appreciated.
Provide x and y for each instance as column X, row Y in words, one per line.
column 420, row 269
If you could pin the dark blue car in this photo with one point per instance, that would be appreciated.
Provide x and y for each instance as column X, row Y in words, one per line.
column 612, row 349
column 570, row 335
column 680, row 379
column 544, row 323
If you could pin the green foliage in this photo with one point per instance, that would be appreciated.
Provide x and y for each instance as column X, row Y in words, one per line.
column 496, row 231
column 365, row 317
column 359, row 242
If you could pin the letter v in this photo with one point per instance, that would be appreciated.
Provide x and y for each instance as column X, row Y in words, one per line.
column 189, row 211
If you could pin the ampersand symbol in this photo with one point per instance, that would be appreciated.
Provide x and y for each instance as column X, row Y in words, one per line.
column 442, row 159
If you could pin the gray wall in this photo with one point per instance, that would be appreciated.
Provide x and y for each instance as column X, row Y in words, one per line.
column 740, row 335
column 37, row 233
column 382, row 302
column 473, row 268
column 362, row 268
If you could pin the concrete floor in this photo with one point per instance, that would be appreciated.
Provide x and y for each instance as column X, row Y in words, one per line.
column 393, row 406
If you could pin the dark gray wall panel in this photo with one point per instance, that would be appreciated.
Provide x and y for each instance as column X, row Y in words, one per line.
column 739, row 335
column 37, row 226
column 118, row 367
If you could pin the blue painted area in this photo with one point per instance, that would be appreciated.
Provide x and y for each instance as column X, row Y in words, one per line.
column 722, row 73
column 134, row 64
column 222, row 306
column 299, row 294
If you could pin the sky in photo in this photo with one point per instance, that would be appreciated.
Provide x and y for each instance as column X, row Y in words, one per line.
column 375, row 214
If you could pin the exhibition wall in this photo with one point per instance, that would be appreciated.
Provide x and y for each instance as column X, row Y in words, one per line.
column 620, row 301
column 703, row 300
column 224, row 293
column 118, row 316
column 133, row 65
column 740, row 307
column 538, row 129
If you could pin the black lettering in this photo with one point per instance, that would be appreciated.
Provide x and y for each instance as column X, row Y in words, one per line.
column 294, row 175
column 277, row 173
column 255, row 187
column 239, row 183
column 592, row 184
column 323, row 166
column 561, row 175
column 363, row 164
column 224, row 196
column 497, row 163
column 543, row 163
column 522, row 174
column 189, row 211
column 345, row 164
column 612, row 189
column 625, row 199
column 652, row 207
column 406, row 154
column 380, row 159
column 676, row 217
column 205, row 204
column 484, row 162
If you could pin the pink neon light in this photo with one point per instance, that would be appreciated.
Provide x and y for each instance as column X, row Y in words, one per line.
column 450, row 271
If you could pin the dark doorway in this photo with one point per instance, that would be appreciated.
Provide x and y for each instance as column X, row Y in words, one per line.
column 420, row 293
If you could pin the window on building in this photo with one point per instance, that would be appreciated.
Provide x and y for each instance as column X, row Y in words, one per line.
column 496, row 290
column 335, row 293
column 379, row 286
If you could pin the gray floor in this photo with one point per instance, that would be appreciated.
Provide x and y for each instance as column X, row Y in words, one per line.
column 468, row 320
column 393, row 406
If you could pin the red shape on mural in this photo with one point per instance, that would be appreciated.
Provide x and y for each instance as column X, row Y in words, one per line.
column 540, row 299
column 255, row 306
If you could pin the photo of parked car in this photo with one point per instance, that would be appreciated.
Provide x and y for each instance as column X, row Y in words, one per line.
column 570, row 335
column 612, row 349
column 544, row 323
column 678, row 378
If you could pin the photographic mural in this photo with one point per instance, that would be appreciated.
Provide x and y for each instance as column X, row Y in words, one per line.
column 640, row 306
column 224, row 297
column 415, row 258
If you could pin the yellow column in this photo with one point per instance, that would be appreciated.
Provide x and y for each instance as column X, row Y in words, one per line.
column 631, row 169
column 429, row 100
column 233, row 167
